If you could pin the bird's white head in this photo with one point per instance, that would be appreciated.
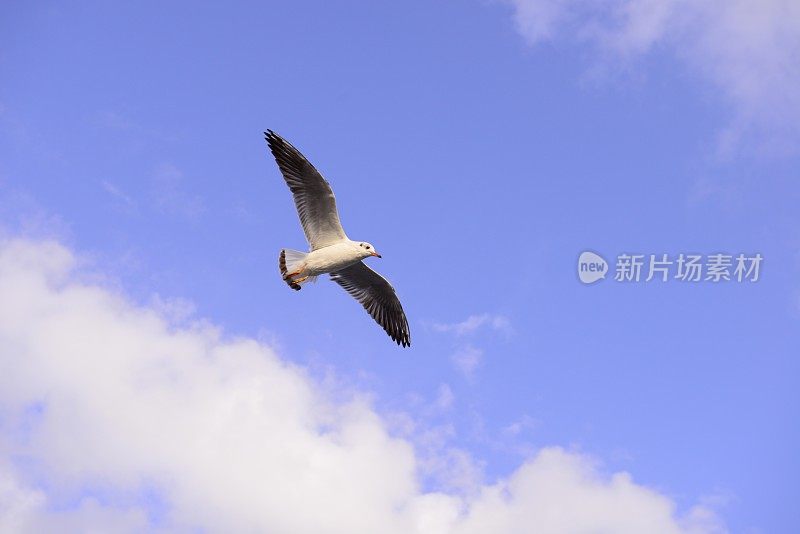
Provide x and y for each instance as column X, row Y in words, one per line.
column 367, row 249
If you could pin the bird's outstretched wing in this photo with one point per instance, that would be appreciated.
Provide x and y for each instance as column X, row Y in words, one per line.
column 378, row 298
column 313, row 195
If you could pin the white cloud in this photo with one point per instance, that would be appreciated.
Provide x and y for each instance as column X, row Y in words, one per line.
column 25, row 510
column 114, row 418
column 533, row 500
column 118, row 194
column 467, row 359
column 522, row 424
column 747, row 50
column 471, row 324
column 444, row 398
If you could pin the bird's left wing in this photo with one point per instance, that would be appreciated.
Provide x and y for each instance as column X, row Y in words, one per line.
column 313, row 195
column 378, row 298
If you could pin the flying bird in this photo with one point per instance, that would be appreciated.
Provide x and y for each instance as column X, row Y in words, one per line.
column 331, row 251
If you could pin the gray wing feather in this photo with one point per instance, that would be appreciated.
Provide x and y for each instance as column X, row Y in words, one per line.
column 378, row 298
column 313, row 195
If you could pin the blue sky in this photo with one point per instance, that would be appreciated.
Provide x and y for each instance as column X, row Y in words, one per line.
column 481, row 146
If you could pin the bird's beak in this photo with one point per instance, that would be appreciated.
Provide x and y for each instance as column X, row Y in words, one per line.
column 376, row 254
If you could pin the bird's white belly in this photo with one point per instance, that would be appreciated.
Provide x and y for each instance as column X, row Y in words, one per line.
column 331, row 258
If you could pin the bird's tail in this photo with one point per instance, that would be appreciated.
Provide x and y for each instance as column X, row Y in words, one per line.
column 292, row 263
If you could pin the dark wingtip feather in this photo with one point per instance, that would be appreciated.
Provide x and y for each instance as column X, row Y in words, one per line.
column 402, row 338
column 273, row 140
column 286, row 156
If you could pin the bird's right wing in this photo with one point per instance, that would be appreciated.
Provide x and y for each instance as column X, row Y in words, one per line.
column 378, row 298
column 313, row 195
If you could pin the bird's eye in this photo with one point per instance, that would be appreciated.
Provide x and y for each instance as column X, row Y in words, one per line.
column 367, row 247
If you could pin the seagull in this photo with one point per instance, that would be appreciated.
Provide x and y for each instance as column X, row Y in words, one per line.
column 331, row 251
